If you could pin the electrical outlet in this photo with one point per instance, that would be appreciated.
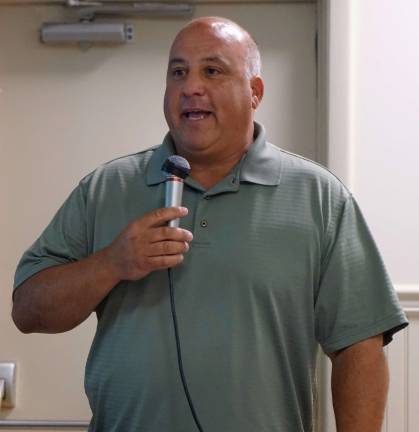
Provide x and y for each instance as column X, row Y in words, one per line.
column 8, row 374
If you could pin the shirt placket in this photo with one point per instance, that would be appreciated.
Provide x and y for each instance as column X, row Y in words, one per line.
column 202, row 223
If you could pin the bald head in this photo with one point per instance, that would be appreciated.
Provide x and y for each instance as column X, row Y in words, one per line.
column 230, row 32
column 213, row 88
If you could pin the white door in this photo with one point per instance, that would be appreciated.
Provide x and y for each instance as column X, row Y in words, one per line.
column 64, row 111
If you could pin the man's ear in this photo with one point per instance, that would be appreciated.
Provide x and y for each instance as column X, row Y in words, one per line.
column 257, row 86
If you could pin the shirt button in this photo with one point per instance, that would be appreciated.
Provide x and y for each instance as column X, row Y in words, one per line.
column 204, row 223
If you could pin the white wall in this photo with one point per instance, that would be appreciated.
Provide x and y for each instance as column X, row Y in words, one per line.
column 373, row 134
column 386, row 128
column 374, row 113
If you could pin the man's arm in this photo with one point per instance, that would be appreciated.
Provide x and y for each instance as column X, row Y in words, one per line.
column 59, row 298
column 359, row 386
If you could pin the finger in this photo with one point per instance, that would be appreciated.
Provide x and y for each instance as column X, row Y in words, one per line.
column 167, row 248
column 170, row 233
column 161, row 216
column 164, row 262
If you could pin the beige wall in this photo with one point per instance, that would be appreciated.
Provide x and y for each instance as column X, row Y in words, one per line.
column 64, row 111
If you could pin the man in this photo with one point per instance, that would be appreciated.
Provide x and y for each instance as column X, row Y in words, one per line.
column 281, row 261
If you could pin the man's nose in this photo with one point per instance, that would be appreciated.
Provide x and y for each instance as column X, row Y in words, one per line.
column 193, row 85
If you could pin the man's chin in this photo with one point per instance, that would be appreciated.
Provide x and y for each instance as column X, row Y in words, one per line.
column 191, row 142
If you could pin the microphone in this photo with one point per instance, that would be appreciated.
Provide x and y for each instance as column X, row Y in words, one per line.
column 177, row 169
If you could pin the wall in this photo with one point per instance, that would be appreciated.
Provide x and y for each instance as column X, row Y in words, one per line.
column 374, row 121
column 373, row 145
column 64, row 111
column 385, row 128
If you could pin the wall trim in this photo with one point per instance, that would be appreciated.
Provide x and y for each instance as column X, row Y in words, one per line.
column 407, row 289
column 409, row 298
column 45, row 424
column 408, row 294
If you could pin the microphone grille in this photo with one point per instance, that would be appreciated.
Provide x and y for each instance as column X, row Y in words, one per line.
column 176, row 165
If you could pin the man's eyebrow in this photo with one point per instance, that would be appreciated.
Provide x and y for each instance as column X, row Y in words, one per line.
column 176, row 60
column 215, row 59
column 209, row 59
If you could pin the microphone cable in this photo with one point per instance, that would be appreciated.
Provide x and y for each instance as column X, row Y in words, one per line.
column 179, row 353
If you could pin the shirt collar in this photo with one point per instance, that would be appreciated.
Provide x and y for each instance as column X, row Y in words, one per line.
column 154, row 173
column 261, row 164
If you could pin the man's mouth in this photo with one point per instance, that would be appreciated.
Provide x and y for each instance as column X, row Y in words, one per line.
column 196, row 114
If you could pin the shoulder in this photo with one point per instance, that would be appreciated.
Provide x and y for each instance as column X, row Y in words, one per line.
column 315, row 193
column 120, row 170
column 300, row 172
column 294, row 164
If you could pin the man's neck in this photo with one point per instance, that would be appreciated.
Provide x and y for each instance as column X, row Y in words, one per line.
column 208, row 175
column 211, row 166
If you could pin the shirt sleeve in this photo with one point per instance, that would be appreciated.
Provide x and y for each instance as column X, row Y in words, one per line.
column 356, row 299
column 63, row 241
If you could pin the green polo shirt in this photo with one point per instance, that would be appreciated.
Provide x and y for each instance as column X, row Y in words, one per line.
column 281, row 262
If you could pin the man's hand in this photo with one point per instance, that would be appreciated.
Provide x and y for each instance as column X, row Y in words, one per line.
column 59, row 298
column 148, row 244
column 359, row 386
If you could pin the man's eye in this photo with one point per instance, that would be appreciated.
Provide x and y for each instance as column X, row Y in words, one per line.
column 177, row 73
column 212, row 71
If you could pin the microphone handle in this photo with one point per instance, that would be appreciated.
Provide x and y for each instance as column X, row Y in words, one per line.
column 173, row 196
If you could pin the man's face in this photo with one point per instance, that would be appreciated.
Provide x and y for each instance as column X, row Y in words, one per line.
column 209, row 100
